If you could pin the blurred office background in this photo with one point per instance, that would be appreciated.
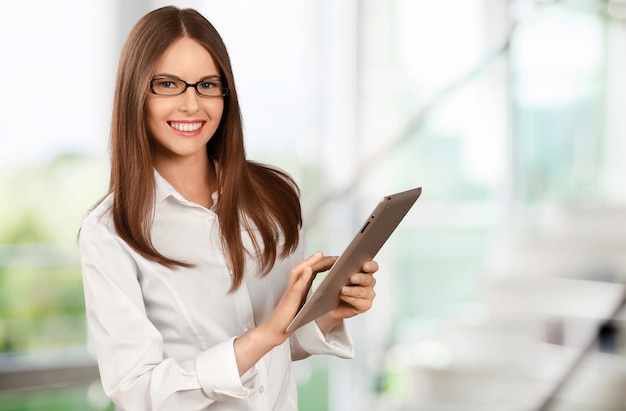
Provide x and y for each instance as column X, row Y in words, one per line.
column 504, row 287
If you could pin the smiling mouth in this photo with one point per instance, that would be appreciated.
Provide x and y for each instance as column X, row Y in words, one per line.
column 186, row 126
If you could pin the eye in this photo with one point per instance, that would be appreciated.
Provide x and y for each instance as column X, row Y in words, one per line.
column 166, row 83
column 208, row 84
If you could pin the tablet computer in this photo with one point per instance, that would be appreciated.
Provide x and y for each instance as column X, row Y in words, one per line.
column 374, row 232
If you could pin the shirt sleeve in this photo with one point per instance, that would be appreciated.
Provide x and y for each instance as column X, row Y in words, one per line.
column 129, row 349
column 309, row 339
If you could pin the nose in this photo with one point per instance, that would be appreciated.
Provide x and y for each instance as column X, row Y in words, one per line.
column 189, row 101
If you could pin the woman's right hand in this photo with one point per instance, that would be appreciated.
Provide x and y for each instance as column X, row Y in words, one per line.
column 300, row 280
column 252, row 346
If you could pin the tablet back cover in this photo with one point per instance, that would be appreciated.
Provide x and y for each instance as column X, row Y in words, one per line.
column 373, row 234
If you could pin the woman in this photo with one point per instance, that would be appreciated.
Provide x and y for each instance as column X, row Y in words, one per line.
column 194, row 264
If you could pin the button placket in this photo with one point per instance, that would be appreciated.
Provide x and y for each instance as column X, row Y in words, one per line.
column 243, row 306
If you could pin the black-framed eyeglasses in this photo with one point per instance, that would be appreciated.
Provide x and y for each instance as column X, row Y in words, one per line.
column 167, row 86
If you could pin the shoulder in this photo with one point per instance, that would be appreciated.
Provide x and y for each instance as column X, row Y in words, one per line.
column 99, row 217
column 98, row 236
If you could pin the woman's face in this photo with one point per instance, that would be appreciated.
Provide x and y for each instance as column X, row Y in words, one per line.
column 181, row 125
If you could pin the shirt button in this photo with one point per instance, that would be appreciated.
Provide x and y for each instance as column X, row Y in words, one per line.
column 261, row 389
column 246, row 330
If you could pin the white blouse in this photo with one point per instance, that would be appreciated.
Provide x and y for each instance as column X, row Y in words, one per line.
column 164, row 337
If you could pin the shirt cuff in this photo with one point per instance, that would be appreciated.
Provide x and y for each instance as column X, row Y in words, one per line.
column 218, row 374
column 338, row 342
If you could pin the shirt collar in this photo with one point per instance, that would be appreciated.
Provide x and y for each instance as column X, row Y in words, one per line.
column 163, row 189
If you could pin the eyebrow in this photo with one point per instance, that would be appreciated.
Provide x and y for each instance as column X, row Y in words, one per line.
column 167, row 75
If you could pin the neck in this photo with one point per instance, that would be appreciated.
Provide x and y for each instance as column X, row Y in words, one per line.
column 194, row 178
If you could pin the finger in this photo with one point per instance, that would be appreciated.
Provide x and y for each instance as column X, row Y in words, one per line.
column 295, row 294
column 303, row 282
column 297, row 270
column 312, row 259
column 370, row 266
column 363, row 280
column 366, row 293
column 324, row 264
column 358, row 305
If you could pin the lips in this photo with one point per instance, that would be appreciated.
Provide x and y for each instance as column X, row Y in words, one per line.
column 186, row 127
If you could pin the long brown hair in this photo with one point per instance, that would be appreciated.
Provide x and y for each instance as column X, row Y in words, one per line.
column 251, row 195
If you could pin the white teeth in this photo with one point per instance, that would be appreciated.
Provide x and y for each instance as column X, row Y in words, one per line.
column 186, row 126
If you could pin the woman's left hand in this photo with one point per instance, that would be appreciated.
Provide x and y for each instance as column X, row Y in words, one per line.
column 356, row 298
